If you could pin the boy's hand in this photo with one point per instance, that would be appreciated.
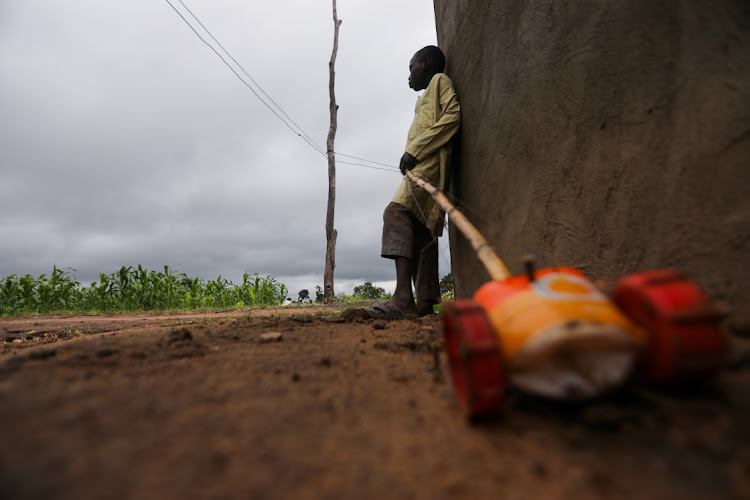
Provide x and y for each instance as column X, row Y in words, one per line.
column 407, row 163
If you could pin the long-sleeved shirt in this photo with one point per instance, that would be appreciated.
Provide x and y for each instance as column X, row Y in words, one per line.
column 437, row 117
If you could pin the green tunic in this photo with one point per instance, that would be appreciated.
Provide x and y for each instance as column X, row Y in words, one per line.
column 437, row 117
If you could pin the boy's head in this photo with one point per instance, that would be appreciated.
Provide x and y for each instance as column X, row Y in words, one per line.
column 425, row 64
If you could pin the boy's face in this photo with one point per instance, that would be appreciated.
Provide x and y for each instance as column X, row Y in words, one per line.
column 419, row 77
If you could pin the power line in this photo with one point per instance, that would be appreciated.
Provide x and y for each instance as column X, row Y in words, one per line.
column 369, row 161
column 297, row 130
column 311, row 143
column 363, row 165
column 310, row 140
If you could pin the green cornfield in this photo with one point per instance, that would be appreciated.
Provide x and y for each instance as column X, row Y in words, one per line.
column 133, row 289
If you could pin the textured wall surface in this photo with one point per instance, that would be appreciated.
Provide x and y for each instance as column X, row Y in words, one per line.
column 607, row 135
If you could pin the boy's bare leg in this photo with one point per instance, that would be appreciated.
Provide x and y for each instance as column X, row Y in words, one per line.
column 403, row 298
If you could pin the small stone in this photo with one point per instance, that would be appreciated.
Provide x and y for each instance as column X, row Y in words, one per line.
column 325, row 362
column 105, row 353
column 270, row 337
column 379, row 324
column 295, row 377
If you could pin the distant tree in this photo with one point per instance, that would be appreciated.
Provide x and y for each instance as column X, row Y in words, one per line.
column 318, row 294
column 446, row 283
column 368, row 291
column 303, row 295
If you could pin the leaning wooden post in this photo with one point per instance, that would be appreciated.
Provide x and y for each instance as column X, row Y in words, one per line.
column 485, row 253
column 328, row 295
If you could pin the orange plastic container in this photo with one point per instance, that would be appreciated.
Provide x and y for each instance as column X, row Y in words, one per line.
column 559, row 335
column 555, row 335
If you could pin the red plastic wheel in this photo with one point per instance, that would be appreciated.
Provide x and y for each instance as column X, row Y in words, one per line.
column 685, row 338
column 474, row 357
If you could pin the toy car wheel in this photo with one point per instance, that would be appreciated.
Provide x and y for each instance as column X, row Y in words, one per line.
column 474, row 357
column 685, row 339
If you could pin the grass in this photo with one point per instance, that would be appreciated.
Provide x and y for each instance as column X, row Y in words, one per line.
column 132, row 289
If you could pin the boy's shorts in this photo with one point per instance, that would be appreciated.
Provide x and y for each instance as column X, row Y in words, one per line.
column 405, row 236
column 400, row 230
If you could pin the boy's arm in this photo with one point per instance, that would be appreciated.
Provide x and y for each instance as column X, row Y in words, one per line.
column 435, row 137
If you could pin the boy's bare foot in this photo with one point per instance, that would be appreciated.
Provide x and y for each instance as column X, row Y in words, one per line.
column 388, row 310
column 426, row 307
column 405, row 304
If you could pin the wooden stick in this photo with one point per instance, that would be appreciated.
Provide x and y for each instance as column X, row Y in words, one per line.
column 486, row 255
column 328, row 295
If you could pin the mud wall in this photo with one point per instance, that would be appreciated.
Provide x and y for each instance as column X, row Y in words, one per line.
column 607, row 135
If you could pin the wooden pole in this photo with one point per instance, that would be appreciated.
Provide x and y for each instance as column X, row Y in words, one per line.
column 486, row 255
column 328, row 295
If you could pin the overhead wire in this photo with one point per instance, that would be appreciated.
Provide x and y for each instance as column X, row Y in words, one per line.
column 301, row 130
column 370, row 161
column 312, row 144
column 363, row 165
column 291, row 124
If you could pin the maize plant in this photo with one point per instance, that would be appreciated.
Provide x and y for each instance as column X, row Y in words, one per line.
column 132, row 289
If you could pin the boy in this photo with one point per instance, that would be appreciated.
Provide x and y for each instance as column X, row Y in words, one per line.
column 412, row 221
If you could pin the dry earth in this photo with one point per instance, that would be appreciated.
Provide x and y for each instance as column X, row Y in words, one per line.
column 197, row 406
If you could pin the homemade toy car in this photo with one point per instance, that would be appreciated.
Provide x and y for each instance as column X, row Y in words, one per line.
column 553, row 333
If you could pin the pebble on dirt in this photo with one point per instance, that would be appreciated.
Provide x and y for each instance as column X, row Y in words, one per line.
column 270, row 337
column 379, row 324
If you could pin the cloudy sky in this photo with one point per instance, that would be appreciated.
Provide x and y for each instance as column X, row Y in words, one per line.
column 125, row 140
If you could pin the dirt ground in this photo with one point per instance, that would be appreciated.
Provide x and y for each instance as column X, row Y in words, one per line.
column 197, row 406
